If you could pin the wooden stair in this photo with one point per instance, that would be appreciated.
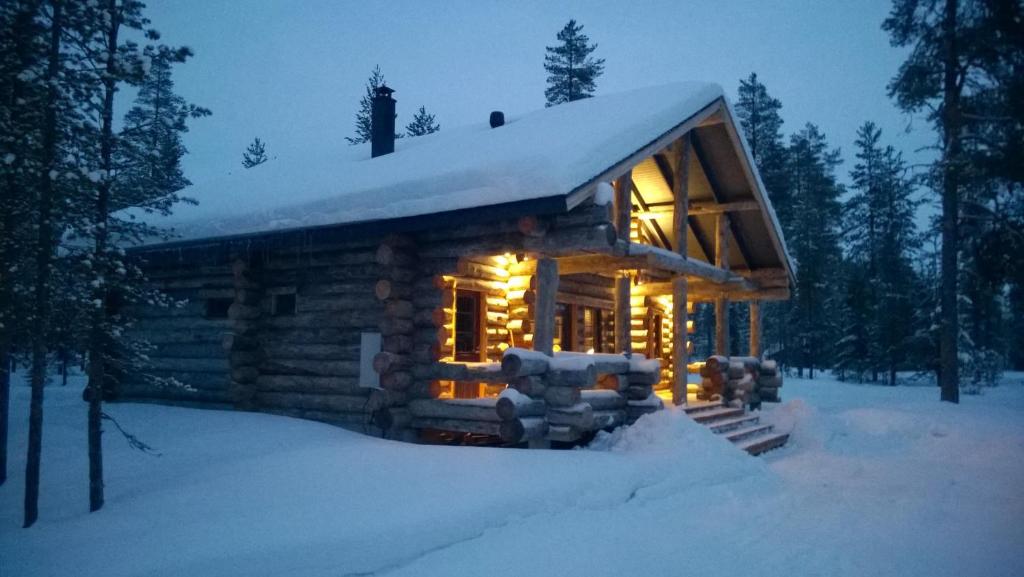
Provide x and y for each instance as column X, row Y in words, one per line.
column 738, row 426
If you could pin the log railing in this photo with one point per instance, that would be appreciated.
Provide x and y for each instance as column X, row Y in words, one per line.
column 558, row 398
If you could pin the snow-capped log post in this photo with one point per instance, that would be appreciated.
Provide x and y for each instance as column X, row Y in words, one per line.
column 680, row 226
column 544, row 308
column 242, row 342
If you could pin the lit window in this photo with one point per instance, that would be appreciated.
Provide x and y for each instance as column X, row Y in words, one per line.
column 467, row 325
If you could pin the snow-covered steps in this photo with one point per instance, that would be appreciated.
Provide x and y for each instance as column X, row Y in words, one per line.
column 764, row 443
column 715, row 414
column 740, row 435
column 738, row 426
column 725, row 425
column 699, row 407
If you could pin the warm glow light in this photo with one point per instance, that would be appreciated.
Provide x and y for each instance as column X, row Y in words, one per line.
column 590, row 351
column 556, row 348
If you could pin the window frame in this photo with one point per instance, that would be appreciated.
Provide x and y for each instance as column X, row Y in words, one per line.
column 478, row 352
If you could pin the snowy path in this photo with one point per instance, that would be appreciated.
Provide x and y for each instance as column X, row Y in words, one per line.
column 876, row 481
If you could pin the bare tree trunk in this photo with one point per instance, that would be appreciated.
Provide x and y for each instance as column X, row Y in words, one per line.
column 44, row 254
column 98, row 334
column 949, row 325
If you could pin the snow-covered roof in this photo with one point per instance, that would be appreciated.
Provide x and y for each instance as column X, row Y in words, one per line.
column 547, row 153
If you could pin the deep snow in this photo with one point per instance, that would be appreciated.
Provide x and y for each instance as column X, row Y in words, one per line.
column 876, row 481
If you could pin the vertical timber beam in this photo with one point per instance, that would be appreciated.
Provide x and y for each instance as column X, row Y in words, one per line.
column 623, row 314
column 623, row 220
column 755, row 329
column 680, row 226
column 544, row 309
column 721, row 302
column 624, row 205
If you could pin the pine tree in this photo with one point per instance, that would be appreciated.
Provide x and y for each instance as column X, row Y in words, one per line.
column 138, row 168
column 364, row 117
column 572, row 73
column 150, row 149
column 22, row 54
column 422, row 123
column 255, row 154
column 964, row 68
column 758, row 114
column 881, row 241
column 814, row 241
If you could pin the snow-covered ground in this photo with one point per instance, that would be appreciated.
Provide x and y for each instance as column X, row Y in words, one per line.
column 876, row 481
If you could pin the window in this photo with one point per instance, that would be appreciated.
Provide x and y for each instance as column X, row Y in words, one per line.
column 284, row 304
column 218, row 308
column 593, row 329
column 656, row 341
column 564, row 326
column 467, row 326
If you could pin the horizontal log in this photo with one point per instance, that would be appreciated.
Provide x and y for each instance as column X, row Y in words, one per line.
column 472, row 372
column 388, row 255
column 395, row 326
column 461, row 409
column 398, row 344
column 561, row 396
column 514, row 407
column 646, row 378
column 484, row 272
column 603, row 400
column 608, row 419
column 384, row 362
column 388, row 289
column 312, row 368
column 579, row 378
column 563, row 434
column 190, row 365
column 526, row 429
column 396, row 380
column 579, row 415
column 313, row 402
column 458, row 425
column 308, row 384
column 532, row 385
column 514, row 364
column 275, row 349
column 639, row 392
column 336, row 303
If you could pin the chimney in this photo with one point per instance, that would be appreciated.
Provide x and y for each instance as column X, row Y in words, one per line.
column 497, row 119
column 382, row 121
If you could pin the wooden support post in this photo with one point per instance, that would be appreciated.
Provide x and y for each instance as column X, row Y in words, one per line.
column 624, row 205
column 755, row 329
column 680, row 226
column 623, row 314
column 544, row 307
column 722, row 302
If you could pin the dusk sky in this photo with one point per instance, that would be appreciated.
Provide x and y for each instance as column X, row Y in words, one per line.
column 292, row 72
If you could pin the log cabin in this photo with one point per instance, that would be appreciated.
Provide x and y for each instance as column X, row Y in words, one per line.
column 526, row 281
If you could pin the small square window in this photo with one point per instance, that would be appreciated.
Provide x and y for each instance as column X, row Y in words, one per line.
column 284, row 305
column 218, row 308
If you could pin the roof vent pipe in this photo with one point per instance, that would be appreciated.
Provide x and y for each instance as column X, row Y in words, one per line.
column 382, row 122
column 497, row 119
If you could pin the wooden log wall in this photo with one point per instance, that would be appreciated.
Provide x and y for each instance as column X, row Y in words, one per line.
column 186, row 346
column 310, row 358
